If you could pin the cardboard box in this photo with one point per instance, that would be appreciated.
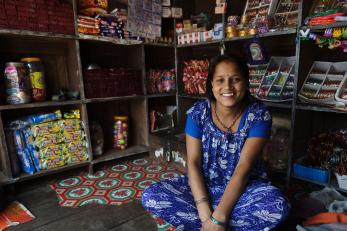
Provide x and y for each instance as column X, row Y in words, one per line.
column 206, row 35
column 176, row 12
column 166, row 12
column 166, row 2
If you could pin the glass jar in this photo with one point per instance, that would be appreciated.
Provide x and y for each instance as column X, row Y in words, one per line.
column 17, row 84
column 120, row 132
column 37, row 78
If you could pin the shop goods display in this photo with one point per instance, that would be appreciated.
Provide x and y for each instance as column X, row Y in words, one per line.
column 88, row 25
column 195, row 74
column 112, row 82
column 92, row 7
column 323, row 82
column 255, row 52
column 37, row 78
column 47, row 141
column 37, row 15
column 120, row 132
column 161, row 81
column 17, row 83
column 286, row 15
column 161, row 119
column 256, row 73
column 326, row 12
column 341, row 93
column 277, row 84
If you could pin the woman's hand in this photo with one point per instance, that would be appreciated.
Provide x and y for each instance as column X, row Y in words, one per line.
column 204, row 211
column 209, row 226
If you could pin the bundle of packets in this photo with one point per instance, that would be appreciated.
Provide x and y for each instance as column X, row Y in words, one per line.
column 49, row 141
column 88, row 25
column 113, row 24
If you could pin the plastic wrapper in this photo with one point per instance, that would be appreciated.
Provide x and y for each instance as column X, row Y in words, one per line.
column 60, row 126
column 27, row 164
column 161, row 81
column 97, row 138
column 195, row 74
column 42, row 118
column 73, row 114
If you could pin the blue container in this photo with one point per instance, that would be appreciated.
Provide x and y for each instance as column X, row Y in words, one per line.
column 310, row 173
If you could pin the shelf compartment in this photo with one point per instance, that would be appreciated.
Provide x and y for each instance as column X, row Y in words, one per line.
column 109, row 99
column 161, row 95
column 113, row 154
column 291, row 32
column 59, row 59
column 134, row 109
column 312, row 107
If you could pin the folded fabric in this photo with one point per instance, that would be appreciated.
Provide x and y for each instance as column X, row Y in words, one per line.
column 327, row 196
column 326, row 218
column 338, row 207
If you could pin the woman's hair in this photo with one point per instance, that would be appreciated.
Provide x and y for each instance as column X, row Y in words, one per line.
column 241, row 65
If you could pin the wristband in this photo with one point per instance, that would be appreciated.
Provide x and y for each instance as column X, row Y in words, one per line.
column 201, row 200
column 216, row 222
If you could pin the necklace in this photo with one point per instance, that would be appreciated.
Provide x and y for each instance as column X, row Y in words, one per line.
column 228, row 128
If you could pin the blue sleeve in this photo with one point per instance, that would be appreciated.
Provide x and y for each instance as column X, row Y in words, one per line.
column 261, row 129
column 192, row 128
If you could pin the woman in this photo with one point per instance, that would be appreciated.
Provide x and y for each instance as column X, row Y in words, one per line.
column 226, row 187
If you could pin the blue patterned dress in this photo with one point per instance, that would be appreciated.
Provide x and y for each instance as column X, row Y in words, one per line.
column 260, row 207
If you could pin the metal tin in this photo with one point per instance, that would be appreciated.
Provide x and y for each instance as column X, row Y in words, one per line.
column 17, row 83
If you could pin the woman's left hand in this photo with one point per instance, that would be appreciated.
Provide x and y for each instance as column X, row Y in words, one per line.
column 209, row 226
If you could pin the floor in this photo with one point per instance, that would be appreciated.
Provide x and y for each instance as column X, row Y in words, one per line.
column 42, row 201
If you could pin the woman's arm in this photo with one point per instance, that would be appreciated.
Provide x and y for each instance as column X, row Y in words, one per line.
column 249, row 154
column 195, row 177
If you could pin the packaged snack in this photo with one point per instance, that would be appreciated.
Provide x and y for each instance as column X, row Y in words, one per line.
column 73, row 114
column 27, row 164
column 41, row 118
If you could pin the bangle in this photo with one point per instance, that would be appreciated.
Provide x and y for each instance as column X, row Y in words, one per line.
column 201, row 200
column 216, row 222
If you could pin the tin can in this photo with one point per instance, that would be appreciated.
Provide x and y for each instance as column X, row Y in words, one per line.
column 37, row 78
column 17, row 83
column 120, row 133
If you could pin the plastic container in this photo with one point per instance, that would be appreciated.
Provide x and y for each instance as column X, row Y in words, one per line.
column 120, row 132
column 311, row 173
column 342, row 181
column 17, row 84
column 37, row 78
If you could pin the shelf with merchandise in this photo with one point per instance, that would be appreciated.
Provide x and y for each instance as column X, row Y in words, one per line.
column 53, row 77
column 135, row 129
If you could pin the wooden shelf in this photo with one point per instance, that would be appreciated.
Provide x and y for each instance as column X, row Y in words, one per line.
column 286, row 105
column 269, row 34
column 26, row 176
column 39, row 104
column 160, row 45
column 4, row 180
column 116, row 98
column 114, row 154
column 319, row 108
column 117, row 41
column 214, row 42
column 35, row 34
column 192, row 96
column 325, row 26
column 161, row 95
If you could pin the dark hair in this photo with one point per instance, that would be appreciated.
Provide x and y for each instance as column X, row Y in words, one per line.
column 239, row 62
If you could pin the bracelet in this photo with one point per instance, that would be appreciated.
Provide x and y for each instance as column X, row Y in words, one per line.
column 216, row 222
column 201, row 200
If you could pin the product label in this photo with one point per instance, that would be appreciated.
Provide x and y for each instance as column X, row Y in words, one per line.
column 37, row 80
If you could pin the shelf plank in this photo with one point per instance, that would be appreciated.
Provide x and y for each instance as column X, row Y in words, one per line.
column 318, row 108
column 116, row 41
column 160, row 45
column 269, row 34
column 35, row 34
column 161, row 95
column 114, row 154
column 4, row 180
column 39, row 104
column 116, row 98
column 192, row 96
column 286, row 105
column 325, row 26
column 26, row 176
column 214, row 42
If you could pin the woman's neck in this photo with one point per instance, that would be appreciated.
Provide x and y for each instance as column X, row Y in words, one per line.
column 228, row 112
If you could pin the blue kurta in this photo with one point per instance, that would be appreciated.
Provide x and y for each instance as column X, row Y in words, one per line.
column 260, row 207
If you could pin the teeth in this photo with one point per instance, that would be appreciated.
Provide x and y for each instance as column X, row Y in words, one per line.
column 228, row 94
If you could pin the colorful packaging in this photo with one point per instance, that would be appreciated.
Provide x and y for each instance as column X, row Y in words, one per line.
column 42, row 118
column 73, row 114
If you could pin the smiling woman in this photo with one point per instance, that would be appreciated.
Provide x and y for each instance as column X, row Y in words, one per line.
column 226, row 186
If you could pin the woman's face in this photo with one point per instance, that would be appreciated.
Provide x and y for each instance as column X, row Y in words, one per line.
column 228, row 84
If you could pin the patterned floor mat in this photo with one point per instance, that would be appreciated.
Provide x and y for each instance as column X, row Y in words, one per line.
column 117, row 184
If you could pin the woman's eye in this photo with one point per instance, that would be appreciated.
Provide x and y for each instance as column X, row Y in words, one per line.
column 236, row 80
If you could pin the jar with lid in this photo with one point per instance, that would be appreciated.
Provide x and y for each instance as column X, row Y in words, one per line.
column 120, row 132
column 17, row 83
column 37, row 78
